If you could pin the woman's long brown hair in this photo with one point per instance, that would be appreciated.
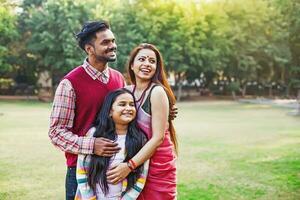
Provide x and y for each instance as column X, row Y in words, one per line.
column 160, row 78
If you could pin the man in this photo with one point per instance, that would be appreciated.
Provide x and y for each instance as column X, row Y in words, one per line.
column 80, row 95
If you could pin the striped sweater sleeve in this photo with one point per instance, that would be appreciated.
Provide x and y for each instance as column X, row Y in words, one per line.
column 137, row 188
column 84, row 191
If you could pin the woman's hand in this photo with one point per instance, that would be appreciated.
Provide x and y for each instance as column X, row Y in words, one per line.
column 117, row 173
column 173, row 112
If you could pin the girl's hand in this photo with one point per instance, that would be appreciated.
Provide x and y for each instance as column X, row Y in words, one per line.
column 117, row 173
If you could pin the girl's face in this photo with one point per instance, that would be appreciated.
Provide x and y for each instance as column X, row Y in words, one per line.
column 144, row 64
column 123, row 109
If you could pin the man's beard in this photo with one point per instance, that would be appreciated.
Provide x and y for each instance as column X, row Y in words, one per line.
column 112, row 59
column 107, row 58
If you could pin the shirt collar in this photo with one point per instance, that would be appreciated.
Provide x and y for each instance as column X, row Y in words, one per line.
column 94, row 73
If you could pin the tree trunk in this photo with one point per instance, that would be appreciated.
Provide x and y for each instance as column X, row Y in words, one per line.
column 244, row 90
column 179, row 92
column 178, row 83
column 45, row 88
column 287, row 90
column 298, row 99
column 271, row 91
column 233, row 95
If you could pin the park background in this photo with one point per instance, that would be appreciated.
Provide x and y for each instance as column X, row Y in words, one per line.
column 234, row 66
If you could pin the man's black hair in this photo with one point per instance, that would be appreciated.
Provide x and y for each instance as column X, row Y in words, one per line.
column 89, row 30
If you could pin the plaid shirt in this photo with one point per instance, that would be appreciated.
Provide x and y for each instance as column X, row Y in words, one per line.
column 63, row 113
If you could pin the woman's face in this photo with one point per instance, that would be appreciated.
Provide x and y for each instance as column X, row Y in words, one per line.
column 144, row 64
column 123, row 109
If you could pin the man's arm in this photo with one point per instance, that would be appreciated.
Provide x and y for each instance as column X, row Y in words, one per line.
column 61, row 122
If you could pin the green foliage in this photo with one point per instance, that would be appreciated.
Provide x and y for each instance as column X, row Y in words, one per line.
column 6, row 83
column 7, row 34
column 52, row 40
column 246, row 40
column 256, row 42
column 233, row 86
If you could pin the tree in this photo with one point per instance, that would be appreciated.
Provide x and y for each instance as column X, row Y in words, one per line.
column 240, row 41
column 292, row 11
column 8, row 33
column 51, row 42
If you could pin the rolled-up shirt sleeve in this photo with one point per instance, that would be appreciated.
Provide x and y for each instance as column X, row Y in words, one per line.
column 62, row 119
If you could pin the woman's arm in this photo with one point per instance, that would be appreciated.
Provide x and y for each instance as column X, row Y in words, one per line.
column 135, row 191
column 160, row 112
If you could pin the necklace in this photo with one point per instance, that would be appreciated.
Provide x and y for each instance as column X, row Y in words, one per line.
column 140, row 100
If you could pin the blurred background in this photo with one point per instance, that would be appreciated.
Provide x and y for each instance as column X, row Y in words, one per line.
column 234, row 67
column 210, row 47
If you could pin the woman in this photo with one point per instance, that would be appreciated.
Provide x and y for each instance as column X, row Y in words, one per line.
column 116, row 121
column 154, row 98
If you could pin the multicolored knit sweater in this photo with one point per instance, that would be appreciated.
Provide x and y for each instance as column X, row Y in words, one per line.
column 85, row 192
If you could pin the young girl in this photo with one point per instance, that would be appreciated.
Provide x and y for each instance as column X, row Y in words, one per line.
column 116, row 121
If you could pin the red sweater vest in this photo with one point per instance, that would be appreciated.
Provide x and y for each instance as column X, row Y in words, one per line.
column 90, row 95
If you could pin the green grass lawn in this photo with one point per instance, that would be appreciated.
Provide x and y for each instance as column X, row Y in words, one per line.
column 227, row 151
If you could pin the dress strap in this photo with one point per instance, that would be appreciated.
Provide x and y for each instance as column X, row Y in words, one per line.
column 141, row 99
column 147, row 104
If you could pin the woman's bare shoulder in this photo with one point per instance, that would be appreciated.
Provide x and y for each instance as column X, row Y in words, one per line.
column 158, row 93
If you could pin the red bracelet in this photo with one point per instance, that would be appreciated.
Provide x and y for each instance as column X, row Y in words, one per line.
column 129, row 165
column 132, row 163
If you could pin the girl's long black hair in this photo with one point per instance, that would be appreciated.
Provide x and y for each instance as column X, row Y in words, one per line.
column 135, row 139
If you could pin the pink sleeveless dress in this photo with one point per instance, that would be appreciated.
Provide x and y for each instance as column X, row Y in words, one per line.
column 161, row 180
